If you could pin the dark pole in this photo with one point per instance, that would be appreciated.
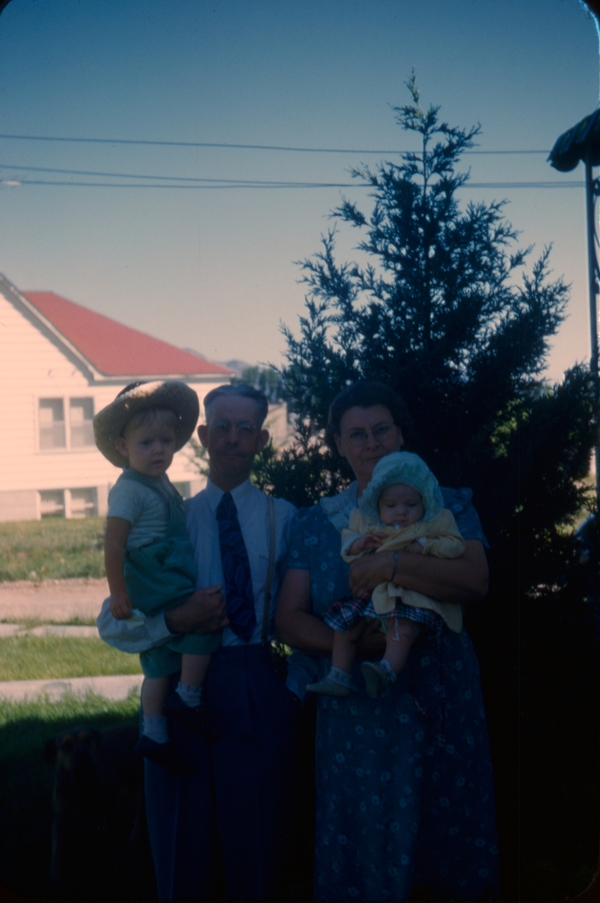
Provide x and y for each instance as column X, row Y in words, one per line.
column 590, row 191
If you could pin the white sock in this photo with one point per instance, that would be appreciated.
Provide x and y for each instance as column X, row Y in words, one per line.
column 191, row 696
column 340, row 677
column 387, row 667
column 155, row 727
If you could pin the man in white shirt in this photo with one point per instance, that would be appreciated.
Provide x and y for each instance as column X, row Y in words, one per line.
column 231, row 812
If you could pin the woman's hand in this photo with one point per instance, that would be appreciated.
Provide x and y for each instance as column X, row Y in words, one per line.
column 369, row 571
column 415, row 548
column 463, row 579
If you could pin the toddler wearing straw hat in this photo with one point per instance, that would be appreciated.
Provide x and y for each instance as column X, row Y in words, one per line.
column 149, row 559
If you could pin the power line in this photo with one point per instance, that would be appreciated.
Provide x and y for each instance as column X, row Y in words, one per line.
column 269, row 185
column 564, row 184
column 241, row 184
column 268, row 147
column 129, row 175
column 216, row 184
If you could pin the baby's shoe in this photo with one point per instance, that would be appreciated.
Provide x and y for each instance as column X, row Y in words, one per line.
column 377, row 677
column 194, row 717
column 329, row 687
column 337, row 683
column 165, row 754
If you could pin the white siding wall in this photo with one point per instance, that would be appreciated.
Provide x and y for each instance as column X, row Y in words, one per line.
column 19, row 505
column 33, row 366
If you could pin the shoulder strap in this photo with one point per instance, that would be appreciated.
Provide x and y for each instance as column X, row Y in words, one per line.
column 136, row 477
column 268, row 592
column 160, row 491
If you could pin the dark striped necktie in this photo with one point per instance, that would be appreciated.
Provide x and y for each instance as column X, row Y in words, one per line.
column 239, row 597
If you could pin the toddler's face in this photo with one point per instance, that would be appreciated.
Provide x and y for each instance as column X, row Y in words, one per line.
column 149, row 449
column 400, row 505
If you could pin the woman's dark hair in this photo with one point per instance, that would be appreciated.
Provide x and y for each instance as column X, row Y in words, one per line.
column 365, row 394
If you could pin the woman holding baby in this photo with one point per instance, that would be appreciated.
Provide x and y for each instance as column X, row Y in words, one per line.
column 405, row 802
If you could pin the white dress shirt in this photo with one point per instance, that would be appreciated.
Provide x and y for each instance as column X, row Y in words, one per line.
column 253, row 518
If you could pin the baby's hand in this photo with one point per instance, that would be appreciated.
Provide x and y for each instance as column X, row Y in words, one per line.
column 366, row 542
column 375, row 540
column 120, row 606
column 415, row 547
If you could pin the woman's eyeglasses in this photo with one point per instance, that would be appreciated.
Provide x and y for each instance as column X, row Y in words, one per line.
column 357, row 438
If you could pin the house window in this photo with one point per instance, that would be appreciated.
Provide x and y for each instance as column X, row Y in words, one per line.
column 66, row 423
column 81, row 412
column 82, row 503
column 52, row 503
column 75, row 503
column 52, row 423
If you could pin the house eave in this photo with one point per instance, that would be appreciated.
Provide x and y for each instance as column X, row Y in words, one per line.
column 116, row 379
column 6, row 285
column 92, row 372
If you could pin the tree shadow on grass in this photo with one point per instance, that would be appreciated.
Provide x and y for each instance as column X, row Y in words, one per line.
column 120, row 871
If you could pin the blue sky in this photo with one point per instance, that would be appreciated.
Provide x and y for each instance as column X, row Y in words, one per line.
column 213, row 269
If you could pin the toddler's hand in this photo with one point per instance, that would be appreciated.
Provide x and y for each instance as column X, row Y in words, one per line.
column 120, row 606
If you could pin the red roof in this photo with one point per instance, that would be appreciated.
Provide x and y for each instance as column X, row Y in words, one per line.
column 117, row 350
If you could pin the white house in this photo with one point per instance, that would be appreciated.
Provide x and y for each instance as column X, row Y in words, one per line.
column 59, row 364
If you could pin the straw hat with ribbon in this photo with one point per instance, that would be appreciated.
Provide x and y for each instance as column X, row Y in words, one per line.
column 110, row 421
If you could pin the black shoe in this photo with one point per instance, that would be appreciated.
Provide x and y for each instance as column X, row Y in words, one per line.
column 195, row 717
column 166, row 754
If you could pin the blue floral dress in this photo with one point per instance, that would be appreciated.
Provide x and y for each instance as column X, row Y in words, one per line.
column 405, row 800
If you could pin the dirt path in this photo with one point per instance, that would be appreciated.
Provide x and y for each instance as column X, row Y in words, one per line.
column 56, row 600
column 112, row 687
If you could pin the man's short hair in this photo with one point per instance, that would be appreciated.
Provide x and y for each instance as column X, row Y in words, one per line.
column 240, row 390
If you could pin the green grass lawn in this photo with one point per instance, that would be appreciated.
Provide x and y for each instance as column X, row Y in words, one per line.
column 38, row 658
column 53, row 548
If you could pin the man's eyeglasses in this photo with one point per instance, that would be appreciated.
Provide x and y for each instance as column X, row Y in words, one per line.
column 357, row 438
column 245, row 429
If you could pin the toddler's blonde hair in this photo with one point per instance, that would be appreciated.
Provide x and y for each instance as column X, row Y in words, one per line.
column 164, row 416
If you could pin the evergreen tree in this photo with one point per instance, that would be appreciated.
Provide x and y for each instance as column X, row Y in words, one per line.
column 439, row 313
column 446, row 311
column 267, row 379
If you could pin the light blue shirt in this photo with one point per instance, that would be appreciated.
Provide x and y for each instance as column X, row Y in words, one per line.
column 142, row 507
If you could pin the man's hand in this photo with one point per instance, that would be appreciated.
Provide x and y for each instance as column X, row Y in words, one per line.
column 120, row 606
column 203, row 612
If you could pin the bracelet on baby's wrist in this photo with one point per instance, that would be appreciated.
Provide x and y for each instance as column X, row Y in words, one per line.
column 395, row 566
